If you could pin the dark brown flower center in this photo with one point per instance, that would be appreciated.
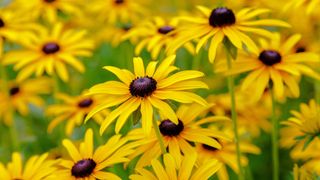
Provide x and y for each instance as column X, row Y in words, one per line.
column 127, row 27
column 83, row 168
column 14, row 90
column 118, row 1
column 168, row 128
column 85, row 103
column 269, row 57
column 165, row 29
column 143, row 86
column 300, row 49
column 1, row 23
column 222, row 16
column 50, row 48
column 210, row 148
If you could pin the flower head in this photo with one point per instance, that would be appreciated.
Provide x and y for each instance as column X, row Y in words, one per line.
column 146, row 89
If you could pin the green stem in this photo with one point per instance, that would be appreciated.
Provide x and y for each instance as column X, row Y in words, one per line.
column 159, row 136
column 275, row 131
column 234, row 115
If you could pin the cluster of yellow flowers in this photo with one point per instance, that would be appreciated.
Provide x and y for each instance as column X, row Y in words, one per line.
column 168, row 118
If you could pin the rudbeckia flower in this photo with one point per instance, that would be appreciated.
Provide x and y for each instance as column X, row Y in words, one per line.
column 223, row 22
column 50, row 51
column 155, row 35
column 87, row 163
column 36, row 168
column 306, row 122
column 277, row 62
column 48, row 9
column 114, row 11
column 73, row 110
column 227, row 154
column 146, row 89
column 21, row 95
column 178, row 138
column 185, row 171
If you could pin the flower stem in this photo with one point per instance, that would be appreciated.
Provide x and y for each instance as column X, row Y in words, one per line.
column 234, row 116
column 275, row 131
column 158, row 134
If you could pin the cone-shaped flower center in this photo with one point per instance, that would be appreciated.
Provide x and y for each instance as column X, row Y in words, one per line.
column 118, row 1
column 1, row 23
column 14, row 90
column 300, row 49
column 168, row 128
column 85, row 103
column 143, row 86
column 50, row 48
column 165, row 29
column 83, row 168
column 269, row 57
column 222, row 17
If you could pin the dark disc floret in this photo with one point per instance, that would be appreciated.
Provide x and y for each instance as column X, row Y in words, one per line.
column 222, row 16
column 50, row 48
column 143, row 86
column 270, row 57
column 168, row 128
column 165, row 29
column 83, row 168
column 85, row 103
column 14, row 90
column 1, row 23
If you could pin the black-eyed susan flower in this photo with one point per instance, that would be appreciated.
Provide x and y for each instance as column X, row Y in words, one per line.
column 50, row 52
column 275, row 62
column 178, row 138
column 146, row 89
column 48, row 9
column 73, row 110
column 227, row 154
column 13, row 25
column 114, row 11
column 306, row 122
column 155, row 35
column 36, row 168
column 184, row 171
column 223, row 22
column 87, row 163
column 114, row 34
column 21, row 95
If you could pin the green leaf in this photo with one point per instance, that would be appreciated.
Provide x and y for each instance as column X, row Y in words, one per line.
column 136, row 116
column 308, row 141
column 299, row 138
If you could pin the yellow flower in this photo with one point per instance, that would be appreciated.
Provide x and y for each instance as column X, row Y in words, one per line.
column 306, row 121
column 301, row 173
column 178, row 138
column 227, row 154
column 73, row 110
column 155, row 35
column 87, row 163
column 36, row 168
column 114, row 34
column 276, row 62
column 21, row 95
column 119, row 10
column 222, row 22
column 14, row 25
column 184, row 171
column 48, row 9
column 146, row 88
column 309, row 6
column 50, row 51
